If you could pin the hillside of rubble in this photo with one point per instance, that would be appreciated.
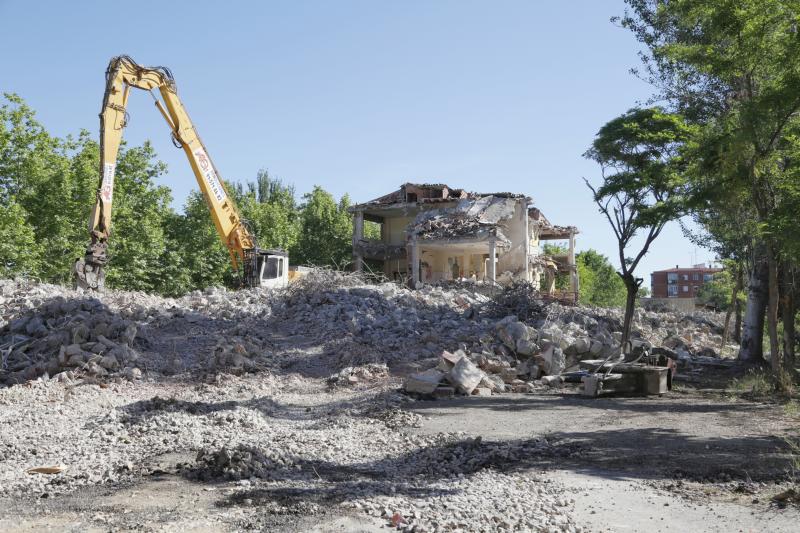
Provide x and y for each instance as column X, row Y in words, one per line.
column 286, row 409
column 349, row 327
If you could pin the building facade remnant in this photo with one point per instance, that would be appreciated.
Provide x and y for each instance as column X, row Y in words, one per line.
column 432, row 232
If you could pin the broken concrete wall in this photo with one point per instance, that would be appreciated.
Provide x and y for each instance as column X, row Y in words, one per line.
column 515, row 228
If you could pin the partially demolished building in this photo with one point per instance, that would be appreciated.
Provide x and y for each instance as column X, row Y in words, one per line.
column 432, row 232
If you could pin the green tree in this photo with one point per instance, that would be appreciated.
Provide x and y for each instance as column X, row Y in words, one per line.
column 599, row 283
column 737, row 64
column 326, row 230
column 639, row 155
column 19, row 251
column 717, row 292
column 141, row 210
column 269, row 207
column 50, row 183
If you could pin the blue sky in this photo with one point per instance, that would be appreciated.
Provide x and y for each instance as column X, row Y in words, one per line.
column 356, row 96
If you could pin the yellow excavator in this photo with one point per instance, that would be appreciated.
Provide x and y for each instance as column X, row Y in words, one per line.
column 259, row 267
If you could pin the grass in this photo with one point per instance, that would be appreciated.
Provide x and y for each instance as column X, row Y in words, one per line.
column 792, row 409
column 755, row 383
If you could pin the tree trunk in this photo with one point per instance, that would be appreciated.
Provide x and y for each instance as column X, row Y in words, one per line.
column 772, row 311
column 751, row 349
column 737, row 324
column 734, row 296
column 632, row 288
column 788, row 312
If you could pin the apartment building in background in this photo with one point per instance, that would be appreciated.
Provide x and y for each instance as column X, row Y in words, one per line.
column 680, row 282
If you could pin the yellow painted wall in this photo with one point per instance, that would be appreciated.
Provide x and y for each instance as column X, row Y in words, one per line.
column 395, row 230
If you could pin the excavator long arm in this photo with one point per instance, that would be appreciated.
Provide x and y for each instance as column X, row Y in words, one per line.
column 122, row 75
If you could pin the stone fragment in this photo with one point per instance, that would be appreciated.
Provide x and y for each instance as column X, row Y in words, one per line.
column 95, row 369
column 80, row 334
column 527, row 347
column 508, row 375
column 132, row 373
column 73, row 349
column 109, row 362
column 512, row 332
column 552, row 360
column 106, row 342
column 35, row 326
column 581, row 345
column 62, row 356
column 482, row 391
column 423, row 382
column 128, row 335
column 76, row 360
column 465, row 375
column 551, row 381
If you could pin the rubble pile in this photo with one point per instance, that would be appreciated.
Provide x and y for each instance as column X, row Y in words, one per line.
column 294, row 394
column 48, row 330
column 513, row 338
column 45, row 331
column 382, row 323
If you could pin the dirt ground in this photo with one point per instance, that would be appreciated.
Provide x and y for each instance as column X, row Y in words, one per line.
column 686, row 461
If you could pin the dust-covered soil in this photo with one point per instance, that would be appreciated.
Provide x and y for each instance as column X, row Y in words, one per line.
column 284, row 411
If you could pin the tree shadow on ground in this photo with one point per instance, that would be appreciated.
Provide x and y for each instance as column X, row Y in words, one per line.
column 645, row 454
column 657, row 453
column 421, row 473
column 367, row 405
column 572, row 400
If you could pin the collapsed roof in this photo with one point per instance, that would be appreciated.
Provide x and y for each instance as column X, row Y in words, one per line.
column 476, row 218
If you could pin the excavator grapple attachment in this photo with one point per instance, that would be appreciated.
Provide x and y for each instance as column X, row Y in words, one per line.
column 89, row 276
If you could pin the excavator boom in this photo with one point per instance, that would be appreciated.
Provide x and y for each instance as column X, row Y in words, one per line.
column 123, row 74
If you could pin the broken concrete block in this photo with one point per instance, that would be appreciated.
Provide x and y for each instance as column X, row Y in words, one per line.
column 80, row 334
column 444, row 392
column 580, row 346
column 508, row 375
column 72, row 349
column 465, row 375
column 512, row 332
column 448, row 360
column 423, row 382
column 552, row 360
column 109, row 362
column 76, row 360
column 551, row 381
column 527, row 347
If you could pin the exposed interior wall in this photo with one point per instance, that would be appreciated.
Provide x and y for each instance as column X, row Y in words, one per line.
column 513, row 259
column 438, row 264
column 394, row 229
column 396, row 269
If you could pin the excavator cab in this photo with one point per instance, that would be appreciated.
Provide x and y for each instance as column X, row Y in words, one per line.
column 266, row 268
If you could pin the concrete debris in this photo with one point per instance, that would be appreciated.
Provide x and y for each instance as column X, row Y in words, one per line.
column 465, row 375
column 424, row 382
column 470, row 217
column 295, row 391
